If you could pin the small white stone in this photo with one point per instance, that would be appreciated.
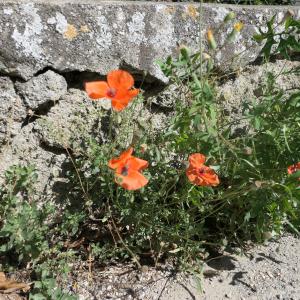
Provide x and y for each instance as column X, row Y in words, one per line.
column 8, row 11
column 51, row 21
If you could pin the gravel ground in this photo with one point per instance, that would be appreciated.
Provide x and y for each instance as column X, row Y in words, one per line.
column 269, row 271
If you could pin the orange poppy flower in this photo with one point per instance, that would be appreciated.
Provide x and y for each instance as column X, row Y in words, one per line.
column 200, row 174
column 118, row 88
column 127, row 170
column 294, row 168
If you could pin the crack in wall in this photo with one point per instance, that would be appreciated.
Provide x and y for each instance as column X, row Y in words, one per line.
column 32, row 116
column 75, row 80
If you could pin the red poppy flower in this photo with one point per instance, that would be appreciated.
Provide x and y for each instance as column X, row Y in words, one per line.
column 294, row 168
column 127, row 170
column 118, row 88
column 200, row 174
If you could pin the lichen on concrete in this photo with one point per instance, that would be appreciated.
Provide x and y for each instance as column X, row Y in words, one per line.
column 100, row 36
column 12, row 111
column 29, row 41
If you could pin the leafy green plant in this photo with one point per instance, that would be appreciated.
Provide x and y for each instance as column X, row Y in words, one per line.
column 283, row 39
column 23, row 224
column 46, row 289
column 25, row 231
column 170, row 216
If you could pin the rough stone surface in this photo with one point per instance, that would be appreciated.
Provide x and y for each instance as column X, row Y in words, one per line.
column 25, row 149
column 167, row 98
column 42, row 89
column 76, row 118
column 101, row 36
column 69, row 123
column 12, row 111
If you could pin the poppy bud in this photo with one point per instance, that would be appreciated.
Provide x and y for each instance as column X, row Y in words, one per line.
column 237, row 27
column 184, row 51
column 247, row 151
column 230, row 16
column 211, row 40
column 30, row 112
column 288, row 14
column 206, row 56
column 144, row 148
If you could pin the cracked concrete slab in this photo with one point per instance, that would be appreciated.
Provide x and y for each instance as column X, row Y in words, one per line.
column 99, row 36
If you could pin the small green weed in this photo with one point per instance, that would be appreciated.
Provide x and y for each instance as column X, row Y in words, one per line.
column 27, row 231
column 23, row 224
column 46, row 289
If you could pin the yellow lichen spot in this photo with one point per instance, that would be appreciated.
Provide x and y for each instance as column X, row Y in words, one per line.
column 71, row 32
column 238, row 26
column 170, row 10
column 84, row 28
column 192, row 11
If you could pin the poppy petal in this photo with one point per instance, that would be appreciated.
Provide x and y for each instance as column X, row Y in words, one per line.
column 119, row 105
column 137, row 164
column 126, row 95
column 96, row 89
column 203, row 176
column 193, row 176
column 211, row 179
column 134, row 180
column 197, row 159
column 123, row 98
column 133, row 93
column 120, row 161
column 119, row 79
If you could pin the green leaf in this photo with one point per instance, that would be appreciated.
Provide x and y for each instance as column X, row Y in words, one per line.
column 257, row 123
column 258, row 37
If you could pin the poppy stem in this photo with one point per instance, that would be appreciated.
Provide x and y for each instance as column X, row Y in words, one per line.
column 78, row 175
column 134, row 257
column 111, row 121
